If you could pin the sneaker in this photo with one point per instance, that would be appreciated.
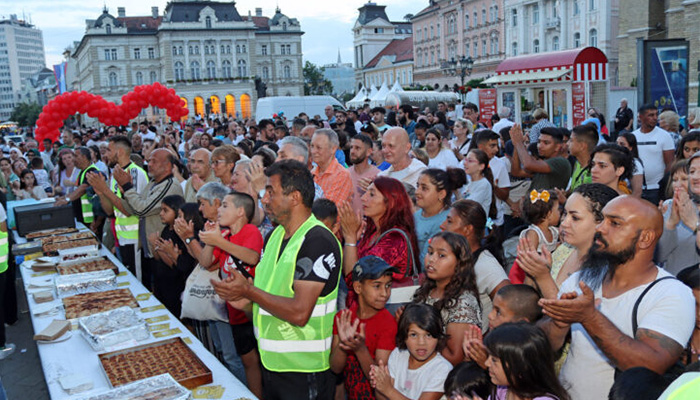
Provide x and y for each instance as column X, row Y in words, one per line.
column 7, row 351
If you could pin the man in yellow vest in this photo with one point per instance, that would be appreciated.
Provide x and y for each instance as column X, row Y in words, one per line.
column 80, row 197
column 6, row 349
column 295, row 290
column 126, row 225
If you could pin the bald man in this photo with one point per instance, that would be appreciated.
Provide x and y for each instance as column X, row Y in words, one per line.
column 396, row 148
column 199, row 164
column 596, row 304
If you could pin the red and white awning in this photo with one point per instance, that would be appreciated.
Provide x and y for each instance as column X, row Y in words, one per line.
column 578, row 65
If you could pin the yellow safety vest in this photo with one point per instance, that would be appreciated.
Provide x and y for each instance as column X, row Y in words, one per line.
column 127, row 227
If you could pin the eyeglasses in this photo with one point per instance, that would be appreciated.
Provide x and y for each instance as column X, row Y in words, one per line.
column 214, row 162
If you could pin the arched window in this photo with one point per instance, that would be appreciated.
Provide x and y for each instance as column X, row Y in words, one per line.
column 190, row 50
column 211, row 70
column 154, row 76
column 577, row 39
column 536, row 14
column 113, row 79
column 179, row 50
column 242, row 68
column 266, row 73
column 287, row 72
column 495, row 13
column 212, row 49
column 179, row 71
column 284, row 26
column 243, row 49
column 194, row 70
column 196, row 49
column 466, row 21
column 476, row 19
column 514, row 49
column 207, row 20
column 555, row 43
column 139, row 78
column 226, row 69
column 206, row 50
column 109, row 29
column 223, row 49
column 228, row 49
column 593, row 38
column 536, row 46
column 174, row 50
column 238, row 49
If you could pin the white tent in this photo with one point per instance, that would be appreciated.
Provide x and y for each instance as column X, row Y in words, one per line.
column 359, row 99
column 378, row 99
column 396, row 87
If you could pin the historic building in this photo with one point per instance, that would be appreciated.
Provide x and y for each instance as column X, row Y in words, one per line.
column 450, row 29
column 21, row 56
column 381, row 54
column 217, row 60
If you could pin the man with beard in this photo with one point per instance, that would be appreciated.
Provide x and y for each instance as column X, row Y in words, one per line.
column 267, row 133
column 599, row 304
column 406, row 121
column 361, row 170
column 294, row 292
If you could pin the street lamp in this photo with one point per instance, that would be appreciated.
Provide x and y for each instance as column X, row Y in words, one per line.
column 462, row 68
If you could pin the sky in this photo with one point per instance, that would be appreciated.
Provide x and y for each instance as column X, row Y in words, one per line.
column 327, row 23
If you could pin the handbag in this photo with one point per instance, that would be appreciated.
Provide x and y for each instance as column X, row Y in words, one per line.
column 404, row 294
column 199, row 300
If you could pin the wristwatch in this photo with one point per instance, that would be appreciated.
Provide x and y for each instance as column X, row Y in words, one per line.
column 189, row 240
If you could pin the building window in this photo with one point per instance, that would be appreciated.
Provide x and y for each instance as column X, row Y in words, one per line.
column 378, row 30
column 206, row 50
column 476, row 19
column 194, row 70
column 484, row 48
column 223, row 49
column 577, row 40
column 555, row 43
column 113, row 79
column 514, row 49
column 476, row 49
column 179, row 71
column 263, row 49
column 108, row 55
column 514, row 17
column 287, row 72
column 109, row 29
column 466, row 49
column 266, row 73
column 483, row 16
column 196, row 49
column 495, row 13
column 242, row 69
column 536, row 46
column 207, row 21
column 432, row 32
column 593, row 38
column 226, row 69
column 174, row 50
column 153, row 76
column 284, row 26
column 243, row 49
column 437, row 33
column 211, row 70
column 554, row 9
column 466, row 21
column 536, row 14
column 228, row 49
column 139, row 78
column 425, row 34
column 591, row 5
column 114, row 54
column 238, row 49
column 151, row 53
column 179, row 50
column 577, row 10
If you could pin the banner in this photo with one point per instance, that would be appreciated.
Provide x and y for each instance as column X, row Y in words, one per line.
column 487, row 105
column 59, row 71
column 666, row 70
column 578, row 98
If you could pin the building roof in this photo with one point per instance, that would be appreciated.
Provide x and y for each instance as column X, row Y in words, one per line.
column 545, row 61
column 188, row 11
column 140, row 24
column 262, row 23
column 400, row 49
column 370, row 12
column 432, row 7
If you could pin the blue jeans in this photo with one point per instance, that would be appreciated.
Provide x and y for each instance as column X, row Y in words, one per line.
column 222, row 337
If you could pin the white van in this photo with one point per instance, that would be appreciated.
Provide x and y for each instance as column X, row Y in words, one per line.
column 292, row 106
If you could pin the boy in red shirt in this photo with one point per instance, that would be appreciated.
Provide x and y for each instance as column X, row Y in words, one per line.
column 365, row 333
column 234, row 245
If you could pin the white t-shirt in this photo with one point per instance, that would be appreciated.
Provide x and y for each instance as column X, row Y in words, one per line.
column 3, row 214
column 149, row 135
column 463, row 149
column 479, row 191
column 408, row 175
column 412, row 382
column 444, row 159
column 651, row 147
column 668, row 308
column 489, row 274
column 501, row 179
column 502, row 123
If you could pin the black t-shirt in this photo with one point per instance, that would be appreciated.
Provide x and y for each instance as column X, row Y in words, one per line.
column 319, row 258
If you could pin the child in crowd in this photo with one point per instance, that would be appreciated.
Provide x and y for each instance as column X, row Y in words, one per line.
column 466, row 380
column 512, row 303
column 42, row 177
column 541, row 210
column 521, row 364
column 480, row 186
column 416, row 369
column 365, row 334
column 28, row 188
column 451, row 288
column 326, row 211
column 234, row 245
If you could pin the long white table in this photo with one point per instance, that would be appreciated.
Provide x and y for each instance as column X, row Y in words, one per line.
column 75, row 356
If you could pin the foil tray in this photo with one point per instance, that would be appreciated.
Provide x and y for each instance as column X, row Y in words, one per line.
column 110, row 328
column 162, row 387
column 86, row 282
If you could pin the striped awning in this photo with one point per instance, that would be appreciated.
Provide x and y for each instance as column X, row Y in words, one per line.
column 516, row 78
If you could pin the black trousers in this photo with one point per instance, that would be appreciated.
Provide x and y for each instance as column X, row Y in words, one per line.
column 9, row 294
column 3, row 281
column 297, row 385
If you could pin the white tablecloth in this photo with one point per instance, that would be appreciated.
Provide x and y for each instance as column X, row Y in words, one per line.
column 75, row 356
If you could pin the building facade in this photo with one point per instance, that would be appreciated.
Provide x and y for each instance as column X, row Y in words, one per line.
column 21, row 55
column 341, row 75
column 374, row 33
column 39, row 88
column 449, row 29
column 218, row 61
column 552, row 25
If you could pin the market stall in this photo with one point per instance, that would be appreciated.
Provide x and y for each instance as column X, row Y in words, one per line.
column 563, row 83
column 88, row 283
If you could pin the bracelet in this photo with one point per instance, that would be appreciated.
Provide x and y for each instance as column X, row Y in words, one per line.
column 351, row 244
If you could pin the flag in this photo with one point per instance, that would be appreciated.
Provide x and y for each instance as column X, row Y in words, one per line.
column 59, row 71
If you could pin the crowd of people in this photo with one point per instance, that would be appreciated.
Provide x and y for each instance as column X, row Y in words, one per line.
column 402, row 253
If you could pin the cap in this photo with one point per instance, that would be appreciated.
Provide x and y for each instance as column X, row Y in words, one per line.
column 35, row 152
column 370, row 267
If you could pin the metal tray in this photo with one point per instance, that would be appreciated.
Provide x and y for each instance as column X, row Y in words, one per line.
column 109, row 328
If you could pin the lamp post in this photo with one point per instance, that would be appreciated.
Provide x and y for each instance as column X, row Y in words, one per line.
column 462, row 68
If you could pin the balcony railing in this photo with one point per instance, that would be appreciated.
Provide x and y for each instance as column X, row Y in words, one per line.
column 553, row 23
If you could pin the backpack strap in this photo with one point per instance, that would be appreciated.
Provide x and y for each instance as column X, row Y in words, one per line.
column 639, row 300
column 411, row 266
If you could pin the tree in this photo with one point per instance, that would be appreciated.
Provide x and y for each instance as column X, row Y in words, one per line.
column 408, row 17
column 26, row 114
column 314, row 81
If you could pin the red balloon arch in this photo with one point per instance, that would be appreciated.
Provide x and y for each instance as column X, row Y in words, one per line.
column 63, row 106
